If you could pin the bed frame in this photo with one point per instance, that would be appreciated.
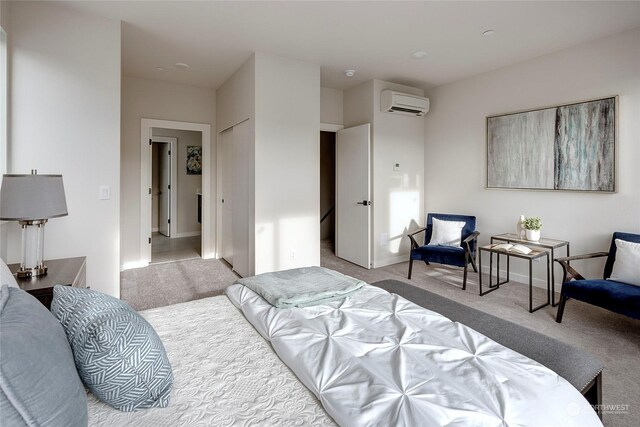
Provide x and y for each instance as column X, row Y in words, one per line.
column 578, row 367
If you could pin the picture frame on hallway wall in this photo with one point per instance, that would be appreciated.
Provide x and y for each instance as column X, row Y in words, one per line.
column 567, row 147
column 194, row 160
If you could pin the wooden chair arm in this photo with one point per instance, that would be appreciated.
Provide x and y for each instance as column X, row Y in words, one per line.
column 473, row 236
column 585, row 256
column 569, row 272
column 470, row 238
column 414, row 244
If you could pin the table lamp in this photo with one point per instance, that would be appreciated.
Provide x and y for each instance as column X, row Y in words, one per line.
column 32, row 200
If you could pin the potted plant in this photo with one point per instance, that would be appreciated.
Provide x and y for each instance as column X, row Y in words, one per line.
column 532, row 226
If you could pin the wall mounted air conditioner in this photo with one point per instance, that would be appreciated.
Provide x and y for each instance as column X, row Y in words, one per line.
column 403, row 103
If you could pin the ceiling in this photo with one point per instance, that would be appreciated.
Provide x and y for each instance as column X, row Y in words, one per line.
column 374, row 38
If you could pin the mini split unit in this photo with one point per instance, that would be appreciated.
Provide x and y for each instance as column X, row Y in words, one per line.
column 402, row 103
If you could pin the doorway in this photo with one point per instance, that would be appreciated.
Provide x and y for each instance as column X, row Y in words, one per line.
column 188, row 231
column 327, row 190
column 176, row 194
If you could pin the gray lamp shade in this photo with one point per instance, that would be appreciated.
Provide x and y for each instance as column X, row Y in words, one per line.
column 32, row 197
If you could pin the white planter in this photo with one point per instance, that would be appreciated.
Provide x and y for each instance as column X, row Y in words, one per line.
column 533, row 235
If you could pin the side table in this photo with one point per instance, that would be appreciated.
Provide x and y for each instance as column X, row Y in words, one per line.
column 534, row 254
column 67, row 271
column 550, row 244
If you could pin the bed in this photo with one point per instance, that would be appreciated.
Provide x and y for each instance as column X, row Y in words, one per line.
column 227, row 373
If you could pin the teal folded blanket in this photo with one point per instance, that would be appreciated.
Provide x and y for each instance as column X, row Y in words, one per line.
column 301, row 287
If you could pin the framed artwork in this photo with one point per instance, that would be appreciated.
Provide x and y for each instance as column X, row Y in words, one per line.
column 194, row 160
column 564, row 147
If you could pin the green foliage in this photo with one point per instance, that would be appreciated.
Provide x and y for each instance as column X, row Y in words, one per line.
column 532, row 223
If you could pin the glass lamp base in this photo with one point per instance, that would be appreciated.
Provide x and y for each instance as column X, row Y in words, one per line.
column 27, row 273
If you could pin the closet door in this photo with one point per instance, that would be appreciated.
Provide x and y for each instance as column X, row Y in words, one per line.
column 226, row 199
column 240, row 198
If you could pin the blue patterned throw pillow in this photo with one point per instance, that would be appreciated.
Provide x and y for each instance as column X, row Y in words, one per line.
column 119, row 355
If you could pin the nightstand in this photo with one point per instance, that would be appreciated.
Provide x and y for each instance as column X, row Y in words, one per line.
column 67, row 271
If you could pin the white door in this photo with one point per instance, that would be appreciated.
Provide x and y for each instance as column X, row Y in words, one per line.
column 226, row 189
column 164, row 187
column 241, row 178
column 353, row 195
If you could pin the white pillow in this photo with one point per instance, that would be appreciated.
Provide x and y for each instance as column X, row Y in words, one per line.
column 627, row 266
column 446, row 233
column 6, row 277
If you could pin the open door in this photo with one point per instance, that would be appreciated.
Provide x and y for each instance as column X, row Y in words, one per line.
column 164, row 189
column 353, row 195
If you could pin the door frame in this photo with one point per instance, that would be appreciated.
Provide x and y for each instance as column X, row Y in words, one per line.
column 173, row 213
column 208, row 241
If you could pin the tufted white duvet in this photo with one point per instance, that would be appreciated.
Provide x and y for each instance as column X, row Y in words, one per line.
column 376, row 359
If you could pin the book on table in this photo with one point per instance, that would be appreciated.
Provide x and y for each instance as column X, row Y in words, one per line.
column 509, row 247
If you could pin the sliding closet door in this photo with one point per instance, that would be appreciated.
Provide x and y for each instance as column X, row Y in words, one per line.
column 226, row 187
column 241, row 173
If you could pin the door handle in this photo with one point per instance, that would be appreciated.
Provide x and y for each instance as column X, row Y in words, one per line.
column 364, row 203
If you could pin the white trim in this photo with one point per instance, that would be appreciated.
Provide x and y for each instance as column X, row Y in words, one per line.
column 208, row 247
column 188, row 234
column 173, row 215
column 329, row 127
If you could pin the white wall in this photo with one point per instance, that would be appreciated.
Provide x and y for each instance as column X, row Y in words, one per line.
column 235, row 104
column 397, row 196
column 142, row 98
column 455, row 157
column 281, row 99
column 188, row 185
column 65, row 118
column 331, row 106
column 287, row 164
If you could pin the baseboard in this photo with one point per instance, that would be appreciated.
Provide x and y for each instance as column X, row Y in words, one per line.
column 391, row 260
column 132, row 265
column 187, row 234
column 155, row 229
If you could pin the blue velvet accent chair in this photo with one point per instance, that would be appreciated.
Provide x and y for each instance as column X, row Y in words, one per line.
column 618, row 297
column 456, row 256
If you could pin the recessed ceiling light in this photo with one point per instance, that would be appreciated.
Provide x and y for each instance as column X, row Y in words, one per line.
column 349, row 73
column 487, row 33
column 159, row 68
column 182, row 65
column 419, row 54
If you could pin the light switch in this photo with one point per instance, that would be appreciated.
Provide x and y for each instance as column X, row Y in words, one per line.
column 396, row 166
column 105, row 192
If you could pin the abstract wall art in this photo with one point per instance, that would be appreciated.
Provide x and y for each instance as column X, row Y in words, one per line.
column 565, row 147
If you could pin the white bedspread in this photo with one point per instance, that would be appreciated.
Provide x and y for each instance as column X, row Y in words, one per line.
column 225, row 374
column 376, row 359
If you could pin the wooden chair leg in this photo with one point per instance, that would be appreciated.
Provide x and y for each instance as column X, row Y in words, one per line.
column 410, row 268
column 473, row 264
column 563, row 301
column 464, row 278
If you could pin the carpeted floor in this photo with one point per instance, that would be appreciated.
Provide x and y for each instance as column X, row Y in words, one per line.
column 613, row 338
